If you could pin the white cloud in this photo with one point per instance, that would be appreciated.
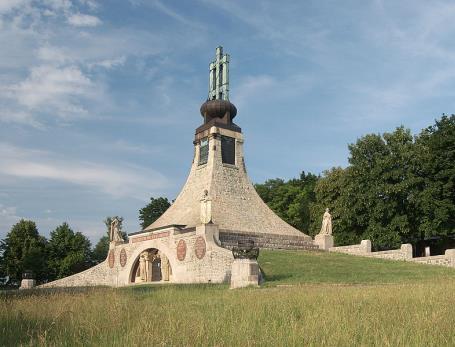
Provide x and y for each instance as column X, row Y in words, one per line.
column 54, row 90
column 116, row 180
column 84, row 20
column 9, row 5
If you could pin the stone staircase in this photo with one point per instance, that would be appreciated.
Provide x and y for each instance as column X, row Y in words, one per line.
column 229, row 239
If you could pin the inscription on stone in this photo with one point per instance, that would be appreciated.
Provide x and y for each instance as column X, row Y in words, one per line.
column 123, row 257
column 181, row 250
column 111, row 258
column 199, row 247
column 150, row 237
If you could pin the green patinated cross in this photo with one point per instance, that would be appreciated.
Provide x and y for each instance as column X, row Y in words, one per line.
column 219, row 76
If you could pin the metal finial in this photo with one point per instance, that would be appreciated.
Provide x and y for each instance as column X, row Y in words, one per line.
column 219, row 76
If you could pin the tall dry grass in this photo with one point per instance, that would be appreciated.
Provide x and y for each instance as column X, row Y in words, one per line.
column 318, row 314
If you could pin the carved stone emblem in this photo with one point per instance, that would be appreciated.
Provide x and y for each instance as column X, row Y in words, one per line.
column 123, row 257
column 181, row 250
column 111, row 258
column 199, row 247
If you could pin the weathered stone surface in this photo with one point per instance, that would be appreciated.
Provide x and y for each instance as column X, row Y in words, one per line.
column 235, row 205
column 324, row 241
column 245, row 272
column 27, row 283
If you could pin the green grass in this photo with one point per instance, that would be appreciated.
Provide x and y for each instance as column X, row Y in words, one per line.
column 314, row 299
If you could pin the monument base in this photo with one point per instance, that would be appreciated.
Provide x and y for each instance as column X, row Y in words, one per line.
column 114, row 244
column 245, row 272
column 27, row 284
column 324, row 241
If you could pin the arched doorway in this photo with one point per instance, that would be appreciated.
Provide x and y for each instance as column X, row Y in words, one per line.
column 151, row 265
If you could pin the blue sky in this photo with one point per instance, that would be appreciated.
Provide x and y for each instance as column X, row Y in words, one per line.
column 99, row 99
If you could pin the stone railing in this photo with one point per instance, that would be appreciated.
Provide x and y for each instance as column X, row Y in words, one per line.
column 448, row 259
column 363, row 248
column 403, row 253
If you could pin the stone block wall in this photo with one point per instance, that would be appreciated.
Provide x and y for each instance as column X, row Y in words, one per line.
column 230, row 238
column 403, row 253
column 363, row 248
column 448, row 259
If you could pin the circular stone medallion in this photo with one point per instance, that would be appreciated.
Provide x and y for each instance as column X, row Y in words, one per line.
column 111, row 258
column 199, row 247
column 123, row 257
column 181, row 250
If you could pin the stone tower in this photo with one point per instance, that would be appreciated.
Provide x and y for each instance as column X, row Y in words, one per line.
column 218, row 174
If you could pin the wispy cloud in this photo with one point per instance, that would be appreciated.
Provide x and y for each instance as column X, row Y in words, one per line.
column 83, row 20
column 115, row 180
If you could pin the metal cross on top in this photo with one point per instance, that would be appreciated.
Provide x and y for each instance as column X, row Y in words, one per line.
column 219, row 76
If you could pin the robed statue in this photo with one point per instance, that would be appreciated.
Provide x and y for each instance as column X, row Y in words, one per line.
column 206, row 208
column 326, row 228
column 114, row 233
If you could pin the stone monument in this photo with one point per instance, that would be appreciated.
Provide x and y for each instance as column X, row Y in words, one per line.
column 217, row 209
column 114, row 232
column 28, row 280
column 245, row 268
column 325, row 239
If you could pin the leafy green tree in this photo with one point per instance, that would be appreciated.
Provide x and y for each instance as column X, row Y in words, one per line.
column 153, row 210
column 290, row 200
column 24, row 249
column 376, row 196
column 101, row 249
column 68, row 252
column 436, row 200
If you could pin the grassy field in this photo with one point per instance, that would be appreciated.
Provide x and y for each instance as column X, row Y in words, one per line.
column 312, row 299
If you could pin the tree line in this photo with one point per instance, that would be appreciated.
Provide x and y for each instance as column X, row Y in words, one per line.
column 66, row 252
column 398, row 188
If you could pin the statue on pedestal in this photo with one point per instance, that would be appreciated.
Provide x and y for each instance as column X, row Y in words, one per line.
column 206, row 208
column 114, row 233
column 164, row 268
column 326, row 228
column 143, row 266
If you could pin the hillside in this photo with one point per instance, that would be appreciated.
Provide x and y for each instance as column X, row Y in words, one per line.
column 309, row 298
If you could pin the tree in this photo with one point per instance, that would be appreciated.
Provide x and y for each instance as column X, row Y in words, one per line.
column 436, row 200
column 24, row 249
column 101, row 249
column 153, row 210
column 290, row 200
column 68, row 252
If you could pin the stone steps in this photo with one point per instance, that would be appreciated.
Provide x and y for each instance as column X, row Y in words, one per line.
column 268, row 241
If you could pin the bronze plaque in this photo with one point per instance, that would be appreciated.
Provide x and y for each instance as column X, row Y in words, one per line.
column 111, row 258
column 123, row 257
column 199, row 247
column 181, row 250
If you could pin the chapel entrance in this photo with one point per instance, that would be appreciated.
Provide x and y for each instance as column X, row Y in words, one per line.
column 151, row 266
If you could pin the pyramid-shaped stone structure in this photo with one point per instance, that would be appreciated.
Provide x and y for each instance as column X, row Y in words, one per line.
column 218, row 173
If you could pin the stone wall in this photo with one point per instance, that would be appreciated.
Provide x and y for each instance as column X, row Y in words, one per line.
column 200, row 260
column 448, row 259
column 361, row 249
column 403, row 253
column 230, row 238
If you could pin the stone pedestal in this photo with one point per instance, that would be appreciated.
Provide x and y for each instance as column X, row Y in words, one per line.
column 114, row 244
column 245, row 272
column 324, row 241
column 27, row 284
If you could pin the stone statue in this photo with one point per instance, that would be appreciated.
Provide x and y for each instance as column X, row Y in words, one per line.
column 143, row 266
column 114, row 233
column 326, row 228
column 206, row 208
column 165, row 268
